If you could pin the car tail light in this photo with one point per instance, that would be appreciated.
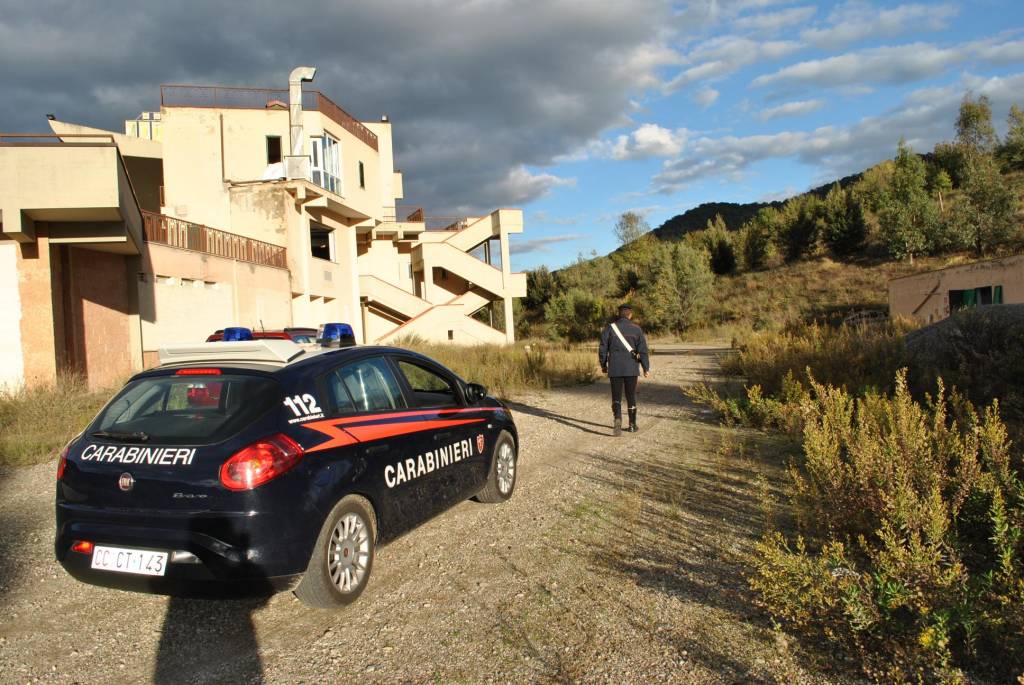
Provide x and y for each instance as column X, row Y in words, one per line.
column 82, row 547
column 62, row 463
column 260, row 462
column 197, row 372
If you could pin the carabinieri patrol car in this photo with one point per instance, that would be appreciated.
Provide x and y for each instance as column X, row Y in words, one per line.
column 262, row 465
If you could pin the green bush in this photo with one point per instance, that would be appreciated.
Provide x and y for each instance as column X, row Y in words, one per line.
column 911, row 546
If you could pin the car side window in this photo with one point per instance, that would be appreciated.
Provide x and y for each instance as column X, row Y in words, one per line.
column 371, row 385
column 340, row 400
column 428, row 387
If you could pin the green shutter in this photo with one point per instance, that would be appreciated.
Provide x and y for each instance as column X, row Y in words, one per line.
column 997, row 294
column 970, row 298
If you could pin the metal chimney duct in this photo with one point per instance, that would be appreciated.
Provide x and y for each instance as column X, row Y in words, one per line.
column 297, row 163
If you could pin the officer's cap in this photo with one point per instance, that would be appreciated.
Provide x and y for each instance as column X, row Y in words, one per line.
column 625, row 307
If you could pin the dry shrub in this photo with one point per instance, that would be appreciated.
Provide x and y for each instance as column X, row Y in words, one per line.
column 37, row 421
column 911, row 552
column 506, row 369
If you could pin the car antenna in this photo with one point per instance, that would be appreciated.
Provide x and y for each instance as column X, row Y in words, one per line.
column 262, row 327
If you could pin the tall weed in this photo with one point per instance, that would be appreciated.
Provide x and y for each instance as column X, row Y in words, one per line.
column 911, row 550
column 37, row 421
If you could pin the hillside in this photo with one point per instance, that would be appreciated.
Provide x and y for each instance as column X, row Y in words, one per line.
column 734, row 214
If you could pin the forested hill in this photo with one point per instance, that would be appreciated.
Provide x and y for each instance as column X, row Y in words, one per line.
column 734, row 215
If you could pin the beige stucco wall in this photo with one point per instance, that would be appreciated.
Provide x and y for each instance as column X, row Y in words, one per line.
column 185, row 296
column 364, row 200
column 12, row 367
column 384, row 260
column 925, row 297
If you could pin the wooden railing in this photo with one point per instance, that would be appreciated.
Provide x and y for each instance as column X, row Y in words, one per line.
column 222, row 97
column 186, row 235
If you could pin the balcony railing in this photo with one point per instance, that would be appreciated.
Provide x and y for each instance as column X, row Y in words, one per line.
column 222, row 97
column 186, row 235
column 412, row 214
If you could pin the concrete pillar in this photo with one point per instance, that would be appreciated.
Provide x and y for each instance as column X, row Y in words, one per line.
column 510, row 328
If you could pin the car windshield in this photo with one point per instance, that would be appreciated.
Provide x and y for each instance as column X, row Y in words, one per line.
column 186, row 409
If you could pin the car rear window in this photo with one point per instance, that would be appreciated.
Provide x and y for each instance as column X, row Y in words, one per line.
column 188, row 409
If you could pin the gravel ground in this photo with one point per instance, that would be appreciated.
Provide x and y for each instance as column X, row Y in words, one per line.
column 617, row 560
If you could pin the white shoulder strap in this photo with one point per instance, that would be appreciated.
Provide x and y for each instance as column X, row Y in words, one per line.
column 622, row 338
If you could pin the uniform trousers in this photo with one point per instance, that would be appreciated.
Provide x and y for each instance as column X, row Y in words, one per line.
column 620, row 383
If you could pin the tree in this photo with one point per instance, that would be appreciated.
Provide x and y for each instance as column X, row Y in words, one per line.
column 800, row 226
column 1012, row 152
column 576, row 314
column 941, row 185
column 842, row 221
column 596, row 275
column 756, row 237
column 974, row 129
column 986, row 214
column 540, row 287
column 907, row 217
column 694, row 284
column 718, row 243
column 630, row 227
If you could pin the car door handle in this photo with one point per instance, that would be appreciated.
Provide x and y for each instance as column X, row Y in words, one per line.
column 443, row 436
column 376, row 449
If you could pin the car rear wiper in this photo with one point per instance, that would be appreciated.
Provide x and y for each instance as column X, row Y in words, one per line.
column 137, row 436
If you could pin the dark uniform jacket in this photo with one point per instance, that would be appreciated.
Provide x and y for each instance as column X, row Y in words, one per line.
column 616, row 359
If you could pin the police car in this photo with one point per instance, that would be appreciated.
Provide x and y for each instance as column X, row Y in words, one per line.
column 253, row 466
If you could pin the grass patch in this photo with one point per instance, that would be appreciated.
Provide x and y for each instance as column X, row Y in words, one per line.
column 36, row 422
column 507, row 369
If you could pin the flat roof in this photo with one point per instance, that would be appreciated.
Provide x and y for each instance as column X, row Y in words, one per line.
column 951, row 267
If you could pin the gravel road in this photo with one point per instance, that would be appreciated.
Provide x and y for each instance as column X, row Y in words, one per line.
column 617, row 560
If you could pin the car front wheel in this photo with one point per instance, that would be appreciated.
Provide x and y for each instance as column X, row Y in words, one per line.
column 342, row 559
column 501, row 481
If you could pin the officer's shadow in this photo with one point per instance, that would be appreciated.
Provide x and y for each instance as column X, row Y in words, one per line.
column 210, row 640
column 572, row 422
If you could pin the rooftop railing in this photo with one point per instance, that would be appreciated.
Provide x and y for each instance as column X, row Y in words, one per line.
column 223, row 97
column 186, row 235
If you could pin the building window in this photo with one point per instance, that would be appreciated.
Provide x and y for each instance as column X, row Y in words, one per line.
column 321, row 242
column 362, row 176
column 326, row 163
column 451, row 335
column 273, row 149
column 973, row 297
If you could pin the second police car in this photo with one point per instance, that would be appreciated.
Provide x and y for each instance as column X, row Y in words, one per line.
column 262, row 465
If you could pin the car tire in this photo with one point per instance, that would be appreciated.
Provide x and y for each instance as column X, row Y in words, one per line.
column 342, row 558
column 501, row 481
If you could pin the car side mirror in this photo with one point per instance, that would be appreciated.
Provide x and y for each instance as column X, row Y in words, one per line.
column 475, row 392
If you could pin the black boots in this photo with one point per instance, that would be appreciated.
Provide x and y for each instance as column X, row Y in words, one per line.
column 617, row 414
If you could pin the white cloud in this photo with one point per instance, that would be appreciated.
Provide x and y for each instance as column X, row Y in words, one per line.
column 648, row 140
column 724, row 55
column 857, row 20
column 923, row 118
column 706, row 96
column 543, row 217
column 790, row 109
column 773, row 22
column 889, row 65
column 542, row 244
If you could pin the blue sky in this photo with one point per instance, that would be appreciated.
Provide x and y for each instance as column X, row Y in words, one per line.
column 772, row 98
column 575, row 110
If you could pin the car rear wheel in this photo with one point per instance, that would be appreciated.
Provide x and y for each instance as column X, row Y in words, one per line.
column 342, row 559
column 501, row 481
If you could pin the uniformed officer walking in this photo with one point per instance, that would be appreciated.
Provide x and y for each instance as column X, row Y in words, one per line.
column 623, row 350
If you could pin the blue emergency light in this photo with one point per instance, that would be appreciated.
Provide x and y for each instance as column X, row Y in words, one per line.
column 236, row 334
column 336, row 335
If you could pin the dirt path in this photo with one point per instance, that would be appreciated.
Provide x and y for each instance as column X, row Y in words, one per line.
column 618, row 560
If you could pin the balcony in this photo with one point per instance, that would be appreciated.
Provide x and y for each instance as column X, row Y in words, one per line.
column 185, row 235
column 221, row 97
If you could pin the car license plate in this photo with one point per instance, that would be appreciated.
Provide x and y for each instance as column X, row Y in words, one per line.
column 144, row 562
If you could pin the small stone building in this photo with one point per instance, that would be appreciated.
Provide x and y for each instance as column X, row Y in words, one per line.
column 934, row 295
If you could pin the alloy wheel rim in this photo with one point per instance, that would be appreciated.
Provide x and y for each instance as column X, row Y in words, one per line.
column 348, row 556
column 506, row 468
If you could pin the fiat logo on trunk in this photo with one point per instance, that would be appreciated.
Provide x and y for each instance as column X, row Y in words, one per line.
column 126, row 482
